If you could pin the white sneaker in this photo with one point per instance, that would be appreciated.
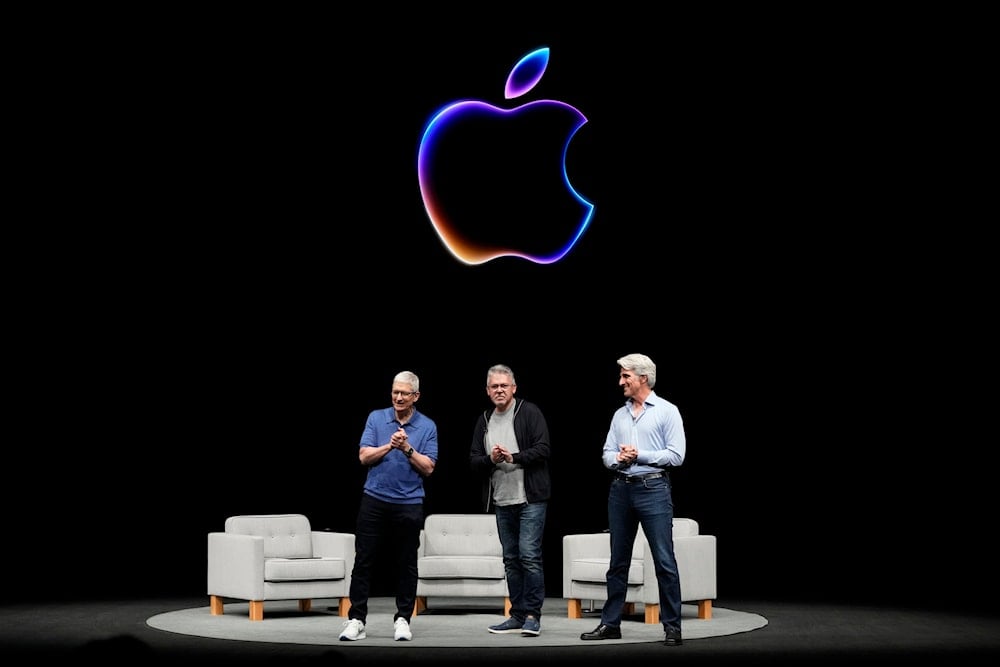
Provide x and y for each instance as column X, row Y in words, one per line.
column 403, row 633
column 353, row 631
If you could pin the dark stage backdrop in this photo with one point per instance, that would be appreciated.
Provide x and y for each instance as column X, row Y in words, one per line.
column 242, row 261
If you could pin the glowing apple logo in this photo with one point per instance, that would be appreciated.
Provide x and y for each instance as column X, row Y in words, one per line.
column 494, row 180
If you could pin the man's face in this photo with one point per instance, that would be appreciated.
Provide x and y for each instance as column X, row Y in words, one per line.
column 500, row 389
column 403, row 395
column 629, row 382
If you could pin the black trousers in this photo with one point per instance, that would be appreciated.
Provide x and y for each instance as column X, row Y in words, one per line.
column 397, row 528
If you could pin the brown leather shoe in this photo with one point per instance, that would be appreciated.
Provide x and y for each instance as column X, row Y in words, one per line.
column 603, row 632
column 673, row 637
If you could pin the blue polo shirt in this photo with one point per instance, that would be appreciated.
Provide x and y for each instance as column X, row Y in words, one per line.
column 394, row 479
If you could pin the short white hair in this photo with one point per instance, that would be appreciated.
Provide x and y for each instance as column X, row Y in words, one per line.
column 640, row 364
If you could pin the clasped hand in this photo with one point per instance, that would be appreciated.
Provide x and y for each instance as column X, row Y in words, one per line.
column 398, row 440
column 500, row 453
column 627, row 453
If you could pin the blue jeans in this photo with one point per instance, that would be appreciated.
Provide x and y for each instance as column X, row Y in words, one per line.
column 396, row 527
column 647, row 502
column 520, row 528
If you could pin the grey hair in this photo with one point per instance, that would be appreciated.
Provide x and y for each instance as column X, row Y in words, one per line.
column 500, row 369
column 408, row 377
column 640, row 364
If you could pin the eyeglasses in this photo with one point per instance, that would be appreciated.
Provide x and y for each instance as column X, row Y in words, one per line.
column 494, row 387
column 404, row 394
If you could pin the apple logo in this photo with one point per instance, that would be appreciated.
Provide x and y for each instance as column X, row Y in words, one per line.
column 494, row 181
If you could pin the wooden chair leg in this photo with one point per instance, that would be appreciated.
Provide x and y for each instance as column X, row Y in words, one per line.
column 705, row 610
column 573, row 608
column 629, row 609
column 216, row 605
column 305, row 605
column 418, row 606
column 506, row 606
column 256, row 610
column 344, row 606
column 652, row 613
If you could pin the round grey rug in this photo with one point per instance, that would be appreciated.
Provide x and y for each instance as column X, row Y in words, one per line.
column 458, row 622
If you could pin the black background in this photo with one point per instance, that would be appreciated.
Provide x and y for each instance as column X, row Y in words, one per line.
column 228, row 260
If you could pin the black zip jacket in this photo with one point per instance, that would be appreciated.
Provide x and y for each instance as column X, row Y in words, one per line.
column 532, row 434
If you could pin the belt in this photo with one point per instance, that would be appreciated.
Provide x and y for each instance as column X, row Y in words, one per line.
column 638, row 478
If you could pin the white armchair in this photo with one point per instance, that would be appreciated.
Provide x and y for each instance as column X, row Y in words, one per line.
column 460, row 556
column 278, row 557
column 585, row 566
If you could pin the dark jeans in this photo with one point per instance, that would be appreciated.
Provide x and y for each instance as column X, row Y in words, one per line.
column 398, row 528
column 521, row 528
column 647, row 502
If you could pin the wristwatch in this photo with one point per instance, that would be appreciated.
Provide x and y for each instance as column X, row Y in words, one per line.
column 409, row 453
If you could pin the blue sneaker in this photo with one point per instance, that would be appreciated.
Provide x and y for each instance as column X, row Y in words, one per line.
column 531, row 627
column 508, row 626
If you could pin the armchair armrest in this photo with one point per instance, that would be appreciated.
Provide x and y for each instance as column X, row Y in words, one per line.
column 335, row 545
column 583, row 545
column 236, row 566
column 696, row 560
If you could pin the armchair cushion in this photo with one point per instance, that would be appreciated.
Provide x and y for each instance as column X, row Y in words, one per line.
column 461, row 567
column 303, row 569
column 596, row 570
column 285, row 535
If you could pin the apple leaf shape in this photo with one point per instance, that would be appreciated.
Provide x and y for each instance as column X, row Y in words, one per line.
column 526, row 73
